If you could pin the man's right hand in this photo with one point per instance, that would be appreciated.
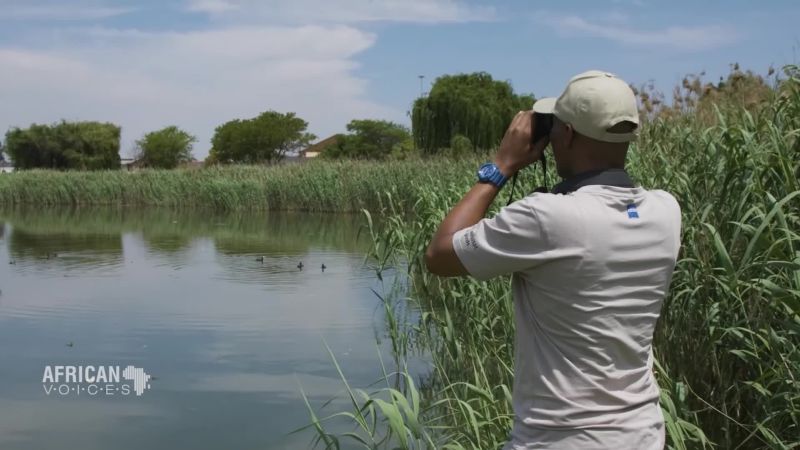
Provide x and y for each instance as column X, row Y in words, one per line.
column 516, row 150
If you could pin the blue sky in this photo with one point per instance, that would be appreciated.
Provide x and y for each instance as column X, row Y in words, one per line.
column 198, row 63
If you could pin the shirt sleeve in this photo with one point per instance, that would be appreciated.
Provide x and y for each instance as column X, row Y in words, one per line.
column 511, row 241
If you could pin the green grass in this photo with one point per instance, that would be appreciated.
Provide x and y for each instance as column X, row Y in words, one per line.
column 727, row 343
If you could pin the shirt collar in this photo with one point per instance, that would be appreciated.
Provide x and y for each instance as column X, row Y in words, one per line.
column 608, row 177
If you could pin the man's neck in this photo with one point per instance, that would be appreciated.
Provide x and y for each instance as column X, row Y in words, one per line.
column 588, row 168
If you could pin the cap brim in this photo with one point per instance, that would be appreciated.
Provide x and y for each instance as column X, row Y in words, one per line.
column 545, row 105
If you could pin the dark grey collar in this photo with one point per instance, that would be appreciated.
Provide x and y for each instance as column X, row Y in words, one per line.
column 607, row 177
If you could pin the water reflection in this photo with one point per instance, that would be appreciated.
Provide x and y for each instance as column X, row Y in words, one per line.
column 169, row 231
column 183, row 295
column 64, row 252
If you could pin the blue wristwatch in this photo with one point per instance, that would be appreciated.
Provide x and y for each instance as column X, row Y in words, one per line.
column 490, row 173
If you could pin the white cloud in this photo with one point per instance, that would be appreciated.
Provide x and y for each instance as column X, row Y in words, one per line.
column 196, row 80
column 297, row 56
column 38, row 10
column 693, row 38
column 342, row 11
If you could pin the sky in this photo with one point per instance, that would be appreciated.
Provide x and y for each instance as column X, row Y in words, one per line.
column 196, row 64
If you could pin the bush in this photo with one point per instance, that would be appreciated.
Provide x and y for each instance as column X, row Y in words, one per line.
column 265, row 138
column 372, row 139
column 460, row 145
column 166, row 148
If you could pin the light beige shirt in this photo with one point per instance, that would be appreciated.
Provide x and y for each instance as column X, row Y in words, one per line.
column 591, row 269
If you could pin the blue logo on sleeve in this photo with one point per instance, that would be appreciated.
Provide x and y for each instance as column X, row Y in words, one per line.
column 632, row 213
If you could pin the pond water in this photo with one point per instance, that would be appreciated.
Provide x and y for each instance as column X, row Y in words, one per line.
column 227, row 338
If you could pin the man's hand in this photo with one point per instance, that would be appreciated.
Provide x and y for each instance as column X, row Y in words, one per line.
column 516, row 151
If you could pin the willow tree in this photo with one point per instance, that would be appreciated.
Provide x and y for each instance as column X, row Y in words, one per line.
column 472, row 105
column 65, row 145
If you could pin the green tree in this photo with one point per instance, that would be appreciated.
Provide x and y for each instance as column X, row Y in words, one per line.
column 473, row 105
column 65, row 145
column 265, row 138
column 165, row 148
column 372, row 139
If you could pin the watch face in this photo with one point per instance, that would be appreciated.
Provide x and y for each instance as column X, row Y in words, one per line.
column 486, row 170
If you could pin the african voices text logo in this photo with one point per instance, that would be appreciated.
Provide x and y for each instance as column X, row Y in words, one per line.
column 94, row 380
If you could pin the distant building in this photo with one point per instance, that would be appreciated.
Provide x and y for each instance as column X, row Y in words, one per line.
column 6, row 167
column 315, row 150
column 129, row 163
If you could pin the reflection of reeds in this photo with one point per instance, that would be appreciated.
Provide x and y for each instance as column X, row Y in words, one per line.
column 727, row 344
column 39, row 231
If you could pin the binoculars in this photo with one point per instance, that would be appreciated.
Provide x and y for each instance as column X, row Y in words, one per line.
column 542, row 124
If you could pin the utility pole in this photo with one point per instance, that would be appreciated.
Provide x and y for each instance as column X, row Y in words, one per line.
column 421, row 77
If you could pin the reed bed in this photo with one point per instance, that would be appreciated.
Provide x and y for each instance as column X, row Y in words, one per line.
column 317, row 186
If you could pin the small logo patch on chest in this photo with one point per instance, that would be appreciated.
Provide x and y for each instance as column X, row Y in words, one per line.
column 632, row 212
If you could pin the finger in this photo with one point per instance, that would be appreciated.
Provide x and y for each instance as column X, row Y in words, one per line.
column 522, row 121
column 533, row 156
column 515, row 123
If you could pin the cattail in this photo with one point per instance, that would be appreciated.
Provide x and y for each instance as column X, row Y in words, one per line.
column 696, row 86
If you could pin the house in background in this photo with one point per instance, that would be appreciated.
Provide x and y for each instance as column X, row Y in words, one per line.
column 6, row 166
column 314, row 150
column 129, row 163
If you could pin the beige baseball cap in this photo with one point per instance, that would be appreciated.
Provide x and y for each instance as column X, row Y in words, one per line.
column 592, row 103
